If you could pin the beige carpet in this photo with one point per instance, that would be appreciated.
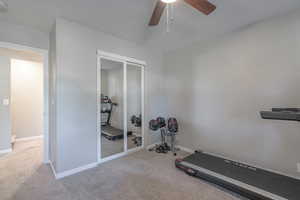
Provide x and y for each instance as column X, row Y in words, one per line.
column 112, row 147
column 139, row 176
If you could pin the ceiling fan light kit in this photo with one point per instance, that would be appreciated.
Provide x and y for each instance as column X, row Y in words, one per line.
column 168, row 1
column 203, row 6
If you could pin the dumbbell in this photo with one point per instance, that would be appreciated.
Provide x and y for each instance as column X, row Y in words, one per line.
column 161, row 122
column 173, row 125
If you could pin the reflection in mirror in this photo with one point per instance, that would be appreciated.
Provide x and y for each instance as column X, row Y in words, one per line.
column 112, row 134
column 134, row 106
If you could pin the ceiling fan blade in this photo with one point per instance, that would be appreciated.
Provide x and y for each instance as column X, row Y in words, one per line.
column 157, row 13
column 202, row 5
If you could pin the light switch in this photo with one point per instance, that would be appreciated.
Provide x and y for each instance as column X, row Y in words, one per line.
column 5, row 102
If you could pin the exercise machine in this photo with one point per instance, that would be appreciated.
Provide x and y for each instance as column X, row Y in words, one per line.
column 108, row 131
column 248, row 181
column 290, row 114
column 106, row 110
column 166, row 130
column 137, row 123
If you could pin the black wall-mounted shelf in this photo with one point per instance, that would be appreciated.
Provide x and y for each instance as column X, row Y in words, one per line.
column 289, row 114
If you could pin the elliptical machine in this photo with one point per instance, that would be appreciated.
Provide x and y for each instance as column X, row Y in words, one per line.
column 169, row 130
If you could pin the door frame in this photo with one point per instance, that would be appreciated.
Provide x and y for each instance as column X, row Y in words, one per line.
column 44, row 54
column 125, row 60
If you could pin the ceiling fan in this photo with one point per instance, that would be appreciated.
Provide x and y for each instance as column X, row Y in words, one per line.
column 3, row 6
column 203, row 6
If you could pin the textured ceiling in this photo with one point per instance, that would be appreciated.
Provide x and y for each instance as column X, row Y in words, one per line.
column 127, row 19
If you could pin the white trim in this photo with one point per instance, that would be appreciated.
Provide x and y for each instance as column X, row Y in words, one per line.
column 185, row 149
column 99, row 153
column 13, row 139
column 125, row 128
column 29, row 138
column 143, row 106
column 89, row 166
column 113, row 157
column 133, row 150
column 5, row 151
column 112, row 56
column 72, row 171
column 44, row 53
column 53, row 169
column 235, row 182
column 46, row 117
column 119, row 155
column 76, row 170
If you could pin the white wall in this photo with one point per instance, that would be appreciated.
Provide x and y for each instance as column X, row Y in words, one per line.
column 26, row 98
column 216, row 90
column 76, row 105
column 23, row 35
column 5, row 124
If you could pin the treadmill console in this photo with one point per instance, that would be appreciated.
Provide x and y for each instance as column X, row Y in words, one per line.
column 290, row 114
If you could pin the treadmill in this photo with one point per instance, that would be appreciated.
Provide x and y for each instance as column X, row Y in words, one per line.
column 112, row 133
column 248, row 181
column 290, row 114
column 108, row 131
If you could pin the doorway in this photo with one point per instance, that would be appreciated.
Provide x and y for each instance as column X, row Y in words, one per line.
column 24, row 99
column 120, row 112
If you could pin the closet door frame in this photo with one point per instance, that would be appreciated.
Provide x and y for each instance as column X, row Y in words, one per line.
column 125, row 60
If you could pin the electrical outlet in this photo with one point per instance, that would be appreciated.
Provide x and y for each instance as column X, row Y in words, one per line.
column 298, row 167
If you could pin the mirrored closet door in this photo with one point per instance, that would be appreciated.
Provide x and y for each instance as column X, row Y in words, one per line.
column 120, row 110
column 134, row 106
column 112, row 108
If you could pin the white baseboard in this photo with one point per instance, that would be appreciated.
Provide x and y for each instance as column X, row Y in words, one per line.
column 5, row 151
column 53, row 169
column 29, row 138
column 13, row 139
column 88, row 166
column 119, row 155
column 72, row 171
column 185, row 149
